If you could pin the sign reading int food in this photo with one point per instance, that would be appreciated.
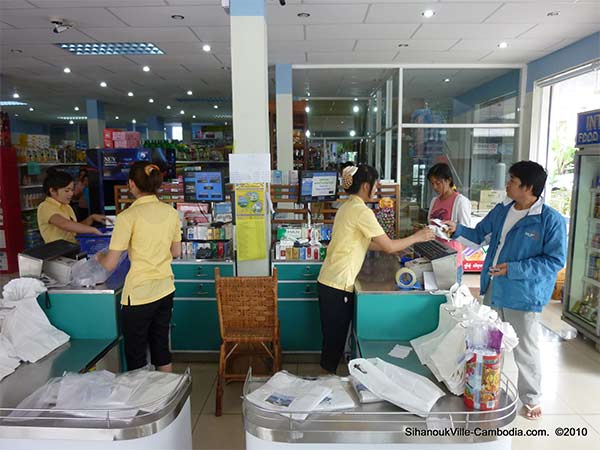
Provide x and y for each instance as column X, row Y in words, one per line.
column 588, row 128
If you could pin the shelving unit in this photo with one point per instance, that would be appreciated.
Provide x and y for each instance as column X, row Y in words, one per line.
column 299, row 127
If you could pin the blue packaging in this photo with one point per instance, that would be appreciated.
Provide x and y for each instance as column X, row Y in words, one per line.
column 302, row 252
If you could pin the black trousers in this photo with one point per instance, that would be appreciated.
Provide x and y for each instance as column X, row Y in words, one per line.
column 337, row 310
column 146, row 326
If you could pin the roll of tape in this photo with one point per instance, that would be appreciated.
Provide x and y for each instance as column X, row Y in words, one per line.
column 406, row 278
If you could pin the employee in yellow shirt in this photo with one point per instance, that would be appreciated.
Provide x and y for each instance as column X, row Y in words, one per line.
column 56, row 218
column 150, row 231
column 355, row 230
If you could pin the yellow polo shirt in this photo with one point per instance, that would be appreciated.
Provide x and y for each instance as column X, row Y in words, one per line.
column 147, row 229
column 353, row 228
column 49, row 232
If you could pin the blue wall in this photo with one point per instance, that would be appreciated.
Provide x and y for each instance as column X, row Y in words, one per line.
column 504, row 84
column 18, row 126
column 571, row 56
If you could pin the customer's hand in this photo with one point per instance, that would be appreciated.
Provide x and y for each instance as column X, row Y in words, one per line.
column 101, row 218
column 451, row 226
column 426, row 234
column 499, row 270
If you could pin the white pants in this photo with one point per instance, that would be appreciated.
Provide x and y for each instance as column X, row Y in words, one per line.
column 527, row 353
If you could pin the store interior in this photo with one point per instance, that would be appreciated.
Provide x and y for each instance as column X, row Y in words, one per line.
column 304, row 86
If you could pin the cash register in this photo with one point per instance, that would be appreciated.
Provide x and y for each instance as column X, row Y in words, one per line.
column 52, row 262
column 436, row 257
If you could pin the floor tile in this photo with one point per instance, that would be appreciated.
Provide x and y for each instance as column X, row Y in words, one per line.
column 202, row 384
column 593, row 420
column 232, row 399
column 219, row 433
column 551, row 442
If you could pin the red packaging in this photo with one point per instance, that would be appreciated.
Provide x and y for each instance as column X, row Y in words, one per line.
column 482, row 381
column 220, row 249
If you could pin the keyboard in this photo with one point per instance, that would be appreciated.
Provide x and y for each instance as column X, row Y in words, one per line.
column 433, row 250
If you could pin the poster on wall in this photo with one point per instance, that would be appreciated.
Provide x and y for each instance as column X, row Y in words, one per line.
column 250, row 227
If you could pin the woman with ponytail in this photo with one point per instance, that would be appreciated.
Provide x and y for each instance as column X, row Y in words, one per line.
column 151, row 233
column 355, row 230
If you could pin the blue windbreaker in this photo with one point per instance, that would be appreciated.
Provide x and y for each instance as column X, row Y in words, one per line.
column 535, row 250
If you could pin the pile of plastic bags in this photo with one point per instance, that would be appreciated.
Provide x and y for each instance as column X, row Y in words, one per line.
column 26, row 334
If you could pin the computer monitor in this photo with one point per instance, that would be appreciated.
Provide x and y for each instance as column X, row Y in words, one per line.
column 204, row 186
column 318, row 186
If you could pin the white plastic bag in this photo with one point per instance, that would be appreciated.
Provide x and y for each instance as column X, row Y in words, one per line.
column 89, row 272
column 363, row 394
column 403, row 388
column 449, row 359
column 339, row 398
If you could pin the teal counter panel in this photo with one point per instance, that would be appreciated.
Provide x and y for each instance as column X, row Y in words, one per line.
column 195, row 326
column 396, row 317
column 300, row 325
column 84, row 316
column 192, row 271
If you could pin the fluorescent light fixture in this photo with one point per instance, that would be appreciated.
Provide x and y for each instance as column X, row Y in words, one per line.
column 72, row 117
column 76, row 108
column 30, row 109
column 182, row 112
column 428, row 13
column 216, row 106
column 307, row 133
column 446, row 80
column 206, row 48
column 168, row 106
column 111, row 48
column 223, row 116
column 355, row 108
column 67, row 70
column 150, row 100
column 11, row 103
column 103, row 84
column 352, row 133
column 16, row 95
column 146, row 68
column 130, row 94
column 307, row 109
column 503, row 45
column 190, row 93
column 71, row 122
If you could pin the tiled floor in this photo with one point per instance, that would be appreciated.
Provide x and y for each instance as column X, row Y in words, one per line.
column 571, row 386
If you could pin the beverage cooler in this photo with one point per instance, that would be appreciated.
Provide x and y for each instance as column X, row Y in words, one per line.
column 582, row 289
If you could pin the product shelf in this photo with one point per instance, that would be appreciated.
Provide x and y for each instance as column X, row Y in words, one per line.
column 52, row 163
column 31, row 186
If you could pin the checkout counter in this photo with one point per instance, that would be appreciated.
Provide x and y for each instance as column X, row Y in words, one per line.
column 90, row 316
column 385, row 316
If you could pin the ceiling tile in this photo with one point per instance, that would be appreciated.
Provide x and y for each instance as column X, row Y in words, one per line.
column 351, row 57
column 360, row 31
column 213, row 34
column 319, row 14
column 32, row 50
column 537, row 13
column 473, row 31
column 333, row 45
column 98, row 3
column 41, row 36
column 513, row 44
column 285, row 32
column 287, row 58
column 413, row 44
column 134, row 34
column 192, row 49
column 40, row 18
column 564, row 30
column 13, row 4
column 512, row 57
column 161, row 16
column 444, row 13
column 439, row 57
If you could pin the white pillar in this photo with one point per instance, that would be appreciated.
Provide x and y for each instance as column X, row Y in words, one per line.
column 388, row 125
column 377, row 131
column 250, row 96
column 95, row 122
column 285, row 117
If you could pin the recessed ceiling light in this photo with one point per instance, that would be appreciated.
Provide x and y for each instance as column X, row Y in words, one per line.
column 307, row 133
column 189, row 92
column 116, row 117
column 182, row 112
column 16, row 50
column 16, row 115
column 428, row 13
column 216, row 106
column 355, row 99
column 16, row 95
column 133, row 121
column 150, row 100
column 168, row 106
column 342, row 122
column 225, row 123
column 130, row 94
column 111, row 48
column 553, row 13
column 307, row 109
column 76, row 108
column 446, row 80
column 30, row 109
column 177, row 17
column 71, row 122
column 375, row 108
column 355, row 108
column 146, row 68
column 352, row 133
column 503, row 45
column 206, row 48
column 194, row 116
column 67, row 70
column 103, row 84
column 303, row 15
column 308, row 94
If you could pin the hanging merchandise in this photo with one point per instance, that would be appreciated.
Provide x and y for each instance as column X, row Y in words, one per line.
column 26, row 327
column 414, row 393
column 386, row 216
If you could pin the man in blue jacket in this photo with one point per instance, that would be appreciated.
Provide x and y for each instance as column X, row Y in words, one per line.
column 527, row 248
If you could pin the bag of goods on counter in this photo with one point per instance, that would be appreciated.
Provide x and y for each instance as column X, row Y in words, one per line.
column 363, row 394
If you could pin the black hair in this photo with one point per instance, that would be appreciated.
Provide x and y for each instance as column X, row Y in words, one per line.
column 364, row 174
column 56, row 179
column 531, row 175
column 346, row 164
column 441, row 171
column 146, row 176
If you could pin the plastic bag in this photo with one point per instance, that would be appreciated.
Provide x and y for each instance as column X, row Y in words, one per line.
column 339, row 398
column 363, row 394
column 90, row 272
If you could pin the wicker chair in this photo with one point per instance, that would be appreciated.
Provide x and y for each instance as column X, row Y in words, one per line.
column 247, row 315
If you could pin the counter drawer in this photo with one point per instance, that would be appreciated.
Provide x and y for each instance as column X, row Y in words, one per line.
column 298, row 272
column 195, row 289
column 195, row 326
column 200, row 271
column 307, row 289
